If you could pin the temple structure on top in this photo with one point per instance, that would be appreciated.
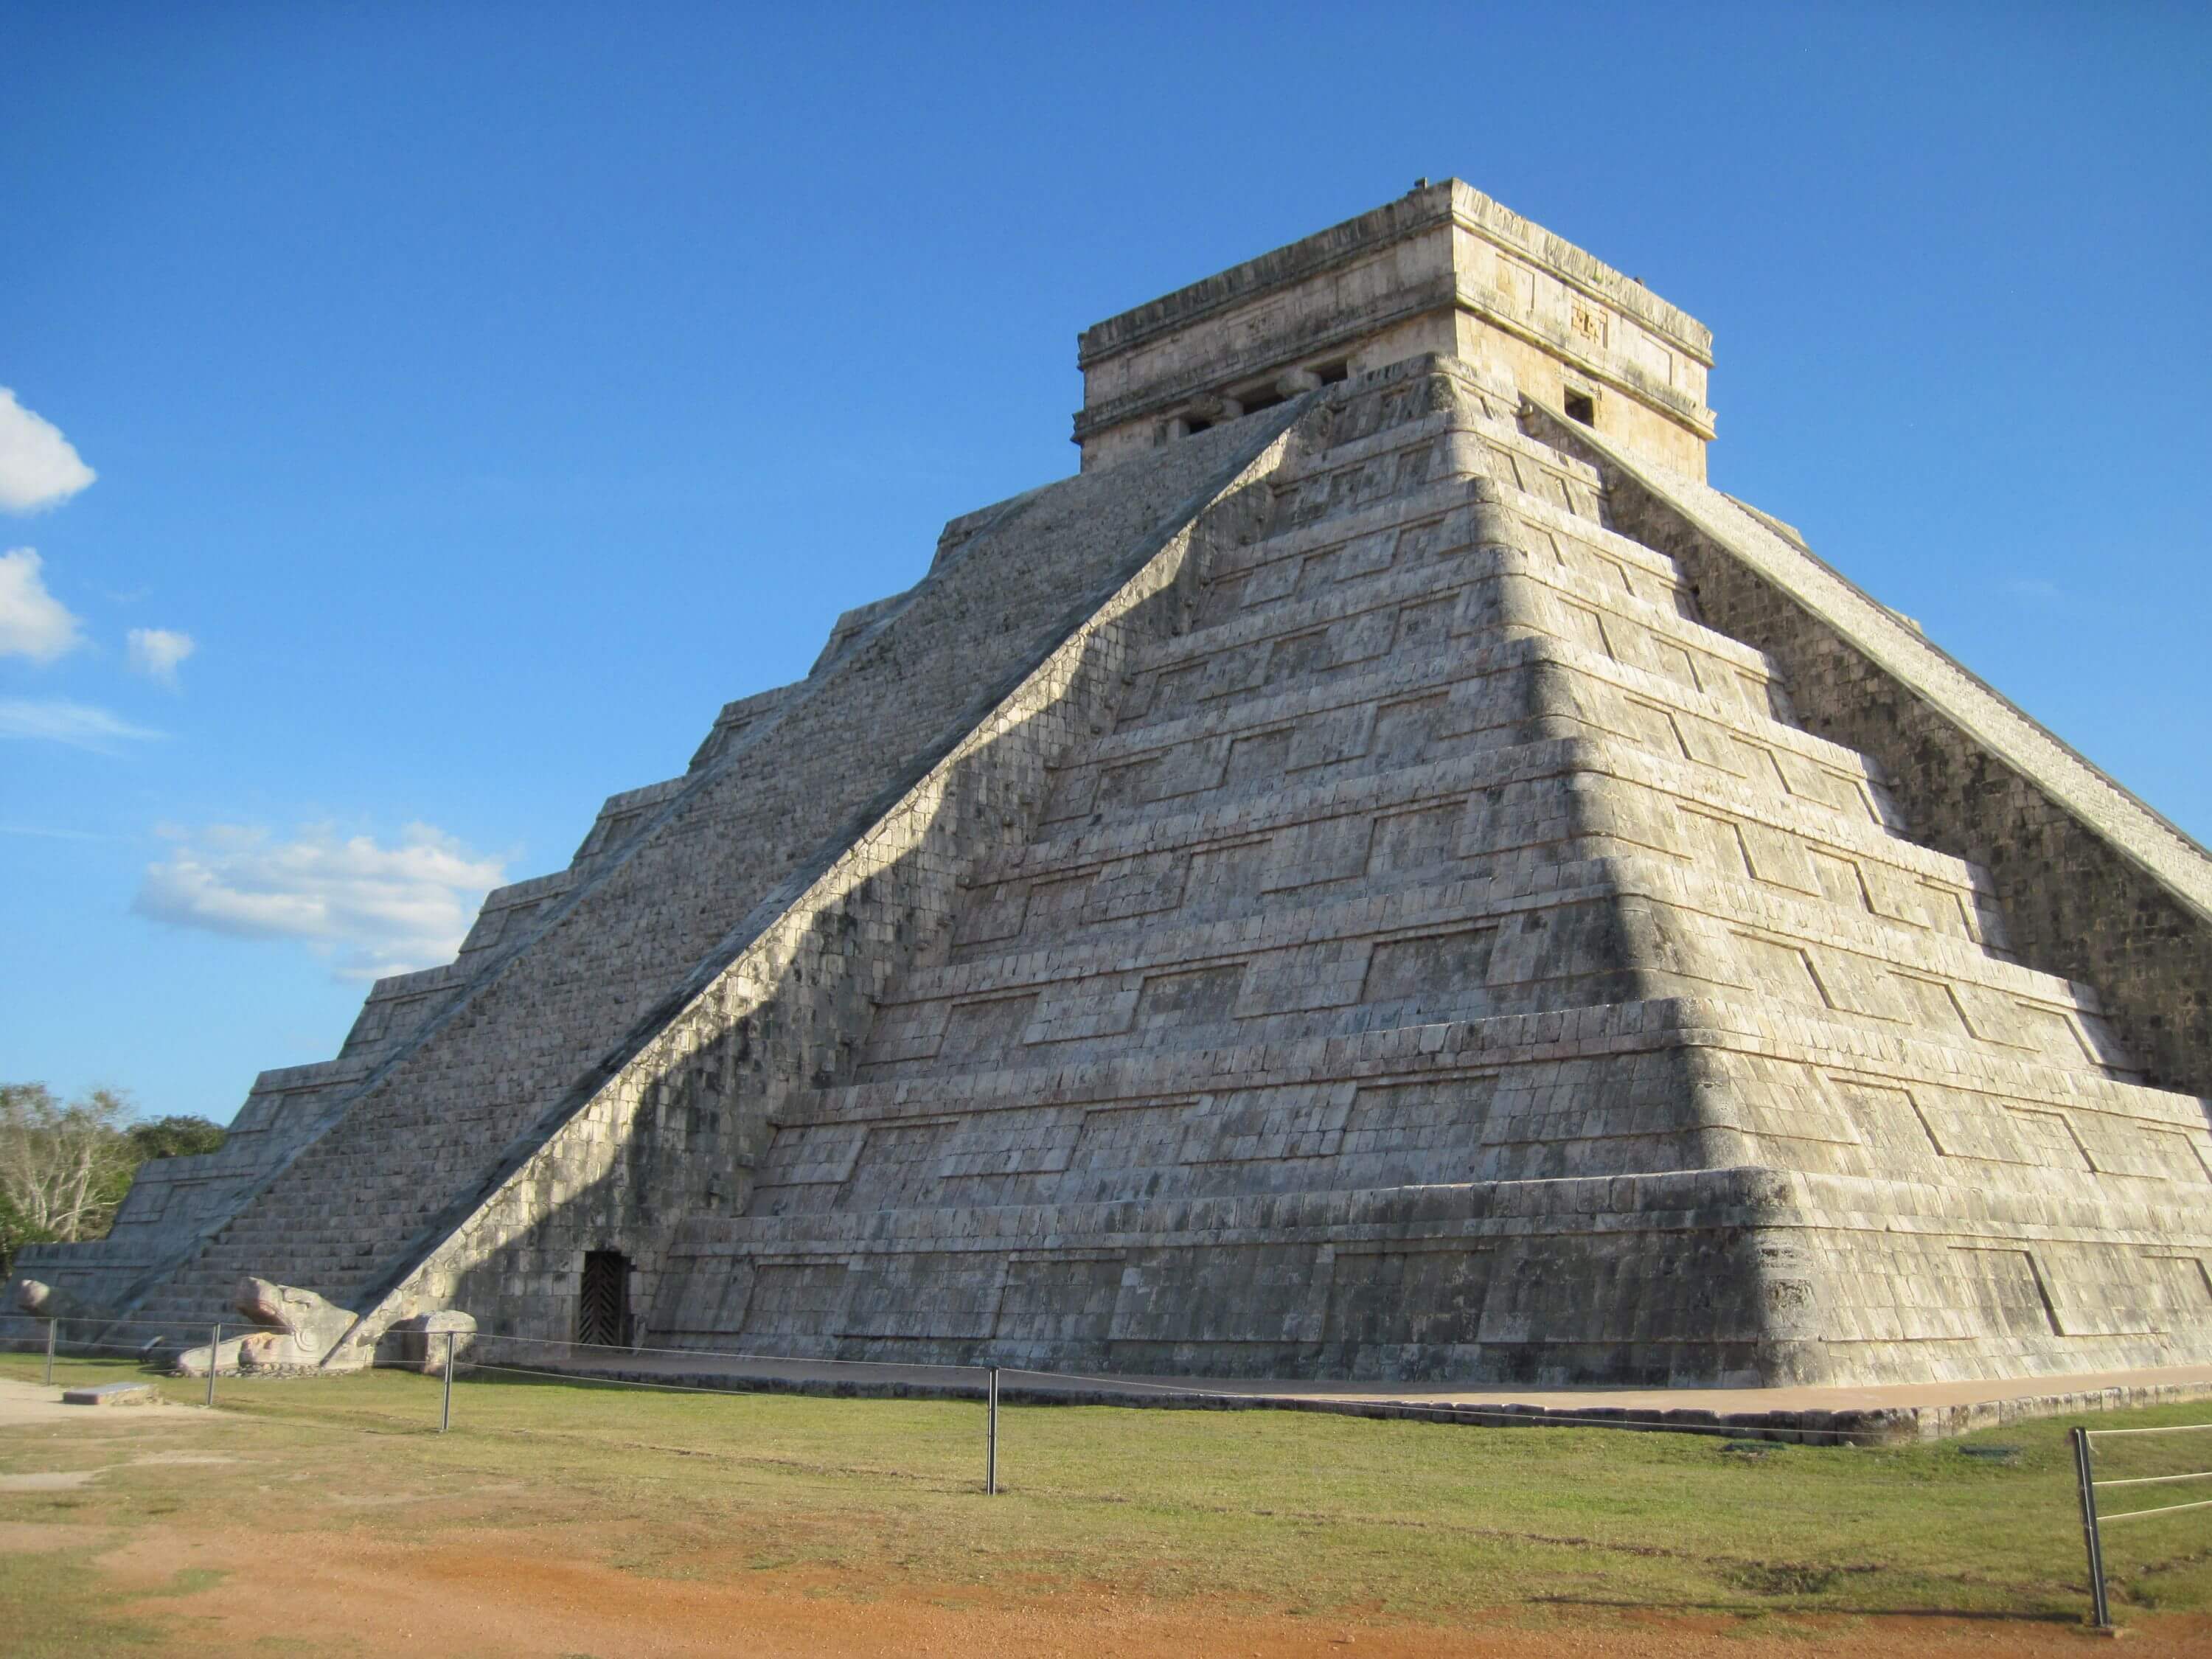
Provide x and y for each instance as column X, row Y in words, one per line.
column 1385, row 873
column 1442, row 272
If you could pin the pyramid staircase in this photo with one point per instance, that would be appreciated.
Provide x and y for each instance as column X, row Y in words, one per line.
column 1454, row 959
column 340, row 1177
column 1319, row 900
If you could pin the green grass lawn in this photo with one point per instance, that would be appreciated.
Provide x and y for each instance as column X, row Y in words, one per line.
column 1289, row 1511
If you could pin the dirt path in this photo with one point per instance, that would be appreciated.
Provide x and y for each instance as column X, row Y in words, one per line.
column 526, row 1594
column 248, row 1544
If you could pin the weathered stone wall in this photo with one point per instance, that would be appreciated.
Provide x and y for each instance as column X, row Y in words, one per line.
column 1163, row 1247
column 607, row 965
column 1442, row 270
column 176, row 1204
column 1377, row 887
column 1451, row 862
column 2093, row 885
column 676, row 1130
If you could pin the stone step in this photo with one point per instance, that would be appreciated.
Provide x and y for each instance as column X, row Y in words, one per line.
column 1113, row 909
column 1323, row 461
column 1411, row 707
column 622, row 815
column 1342, row 482
column 1462, row 604
column 738, row 723
column 1112, row 1214
column 1455, row 948
column 1839, row 1050
column 1367, row 538
column 1234, row 785
column 1826, row 953
column 1839, row 956
column 1400, row 528
column 1249, row 581
column 1788, row 803
column 1461, row 596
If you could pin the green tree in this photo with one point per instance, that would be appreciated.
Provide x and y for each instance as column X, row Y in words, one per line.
column 63, row 1165
column 176, row 1136
column 66, row 1167
column 15, row 1233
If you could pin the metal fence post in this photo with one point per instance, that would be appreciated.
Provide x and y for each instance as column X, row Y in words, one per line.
column 446, row 1409
column 51, row 1323
column 991, row 1458
column 2090, row 1537
column 214, row 1354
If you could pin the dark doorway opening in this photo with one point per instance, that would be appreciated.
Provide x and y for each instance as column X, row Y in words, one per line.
column 1581, row 406
column 603, row 1308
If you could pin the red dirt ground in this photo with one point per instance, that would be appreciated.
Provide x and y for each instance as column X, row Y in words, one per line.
column 522, row 1594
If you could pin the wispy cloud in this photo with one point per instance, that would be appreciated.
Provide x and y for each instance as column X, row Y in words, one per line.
column 373, row 909
column 34, row 624
column 39, row 467
column 156, row 652
column 80, row 725
column 40, row 832
column 2035, row 590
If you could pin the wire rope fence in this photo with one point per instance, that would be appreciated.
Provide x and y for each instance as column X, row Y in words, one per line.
column 737, row 1371
column 2145, row 1445
column 448, row 1358
column 469, row 1354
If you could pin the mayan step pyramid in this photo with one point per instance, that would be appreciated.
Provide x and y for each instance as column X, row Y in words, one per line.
column 1386, row 873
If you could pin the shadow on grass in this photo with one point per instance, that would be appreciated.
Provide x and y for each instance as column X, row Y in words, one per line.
column 541, row 1379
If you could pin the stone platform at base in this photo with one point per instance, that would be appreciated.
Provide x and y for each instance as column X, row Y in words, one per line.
column 1888, row 1414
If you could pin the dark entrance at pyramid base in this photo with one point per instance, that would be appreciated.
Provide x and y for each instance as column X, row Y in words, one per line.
column 603, row 1300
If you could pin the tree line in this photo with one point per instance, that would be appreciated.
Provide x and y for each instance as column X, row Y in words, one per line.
column 66, row 1166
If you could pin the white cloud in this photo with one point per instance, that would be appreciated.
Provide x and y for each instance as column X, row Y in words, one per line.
column 2035, row 590
column 40, row 833
column 56, row 720
column 155, row 652
column 34, row 624
column 39, row 467
column 374, row 909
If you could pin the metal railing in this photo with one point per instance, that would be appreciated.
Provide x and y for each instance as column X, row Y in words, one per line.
column 2093, row 1522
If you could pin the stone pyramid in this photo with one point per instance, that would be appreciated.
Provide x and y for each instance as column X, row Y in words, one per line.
column 1386, row 873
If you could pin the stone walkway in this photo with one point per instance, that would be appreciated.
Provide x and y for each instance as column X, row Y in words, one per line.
column 1871, row 1415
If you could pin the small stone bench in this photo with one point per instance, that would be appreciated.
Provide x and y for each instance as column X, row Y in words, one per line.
column 110, row 1393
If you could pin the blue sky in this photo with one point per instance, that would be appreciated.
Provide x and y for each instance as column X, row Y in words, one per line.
column 425, row 416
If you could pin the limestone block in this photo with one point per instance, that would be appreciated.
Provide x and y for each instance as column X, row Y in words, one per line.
column 225, row 1356
column 419, row 1341
column 112, row 1394
column 40, row 1300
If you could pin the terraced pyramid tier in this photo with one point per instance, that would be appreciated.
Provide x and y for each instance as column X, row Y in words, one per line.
column 1455, row 962
column 1385, row 874
column 453, row 1078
